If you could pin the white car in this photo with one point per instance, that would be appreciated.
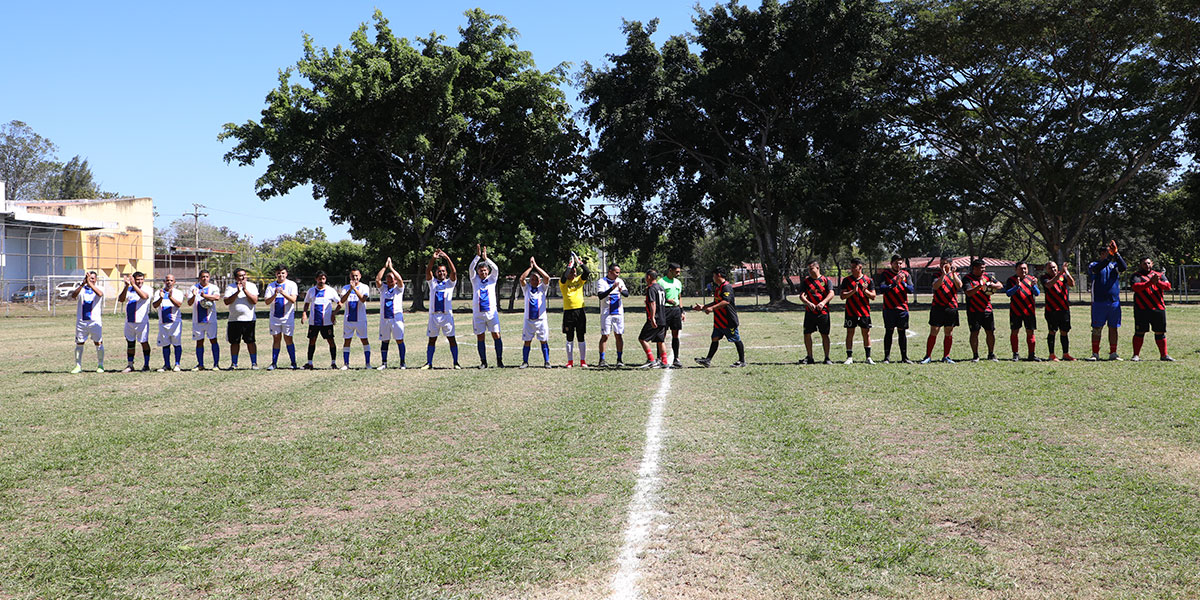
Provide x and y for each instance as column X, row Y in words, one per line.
column 63, row 290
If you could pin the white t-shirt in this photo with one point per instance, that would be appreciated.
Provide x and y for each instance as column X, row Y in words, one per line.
column 321, row 303
column 282, row 310
column 201, row 314
column 241, row 309
column 535, row 302
column 483, row 291
column 88, row 306
column 167, row 311
column 137, row 310
column 441, row 293
column 611, row 304
column 391, row 302
column 356, row 302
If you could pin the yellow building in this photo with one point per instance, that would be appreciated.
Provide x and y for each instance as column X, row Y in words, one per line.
column 122, row 244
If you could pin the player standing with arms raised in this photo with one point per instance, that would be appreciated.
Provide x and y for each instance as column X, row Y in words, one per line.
column 485, row 315
column 391, row 311
column 944, row 312
column 241, row 296
column 610, row 289
column 1057, row 286
column 570, row 285
column 978, row 287
column 203, row 297
column 673, row 288
column 170, row 325
column 896, row 286
column 281, row 296
column 725, row 319
column 137, row 320
column 89, row 303
column 535, row 282
column 817, row 293
column 441, row 281
column 1149, row 309
column 1105, row 273
column 354, row 297
column 1022, row 290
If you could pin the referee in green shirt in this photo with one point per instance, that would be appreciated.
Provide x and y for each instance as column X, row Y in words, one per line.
column 674, row 310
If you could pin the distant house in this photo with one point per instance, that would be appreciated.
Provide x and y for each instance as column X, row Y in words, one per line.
column 925, row 269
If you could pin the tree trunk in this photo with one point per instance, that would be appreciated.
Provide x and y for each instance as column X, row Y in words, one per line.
column 418, row 304
column 766, row 238
column 512, row 298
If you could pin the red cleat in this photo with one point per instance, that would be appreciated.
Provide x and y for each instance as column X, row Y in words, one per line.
column 1068, row 358
column 570, row 363
column 1053, row 358
column 583, row 363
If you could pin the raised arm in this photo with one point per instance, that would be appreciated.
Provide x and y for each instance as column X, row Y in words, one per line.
column 158, row 298
column 450, row 267
column 429, row 267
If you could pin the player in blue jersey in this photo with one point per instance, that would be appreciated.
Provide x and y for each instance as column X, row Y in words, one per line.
column 137, row 319
column 354, row 297
column 320, row 304
column 391, row 312
column 170, row 326
column 441, row 280
column 89, row 299
column 485, row 315
column 610, row 289
column 1105, row 273
column 535, row 282
column 281, row 299
column 203, row 298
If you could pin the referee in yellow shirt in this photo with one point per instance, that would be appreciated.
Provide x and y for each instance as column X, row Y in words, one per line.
column 574, row 319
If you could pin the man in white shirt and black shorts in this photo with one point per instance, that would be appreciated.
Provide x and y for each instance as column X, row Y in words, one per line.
column 320, row 302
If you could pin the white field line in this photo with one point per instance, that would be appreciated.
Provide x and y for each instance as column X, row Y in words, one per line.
column 642, row 507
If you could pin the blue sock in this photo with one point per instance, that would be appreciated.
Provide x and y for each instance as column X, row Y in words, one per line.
column 602, row 356
column 178, row 354
column 546, row 352
column 166, row 357
column 367, row 354
column 346, row 356
column 274, row 356
column 525, row 354
column 384, row 353
column 400, row 346
column 216, row 350
column 233, row 358
column 482, row 352
column 146, row 360
column 200, row 356
column 254, row 358
column 619, row 353
column 454, row 353
column 429, row 354
column 292, row 353
column 499, row 344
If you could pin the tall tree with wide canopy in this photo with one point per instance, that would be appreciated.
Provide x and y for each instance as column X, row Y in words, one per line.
column 770, row 121
column 27, row 161
column 418, row 147
column 1049, row 109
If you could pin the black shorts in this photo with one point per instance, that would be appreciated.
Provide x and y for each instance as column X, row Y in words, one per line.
column 894, row 318
column 814, row 322
column 653, row 333
column 1058, row 320
column 325, row 331
column 237, row 332
column 943, row 316
column 674, row 316
column 1146, row 319
column 574, row 320
column 1015, row 321
column 852, row 322
column 981, row 320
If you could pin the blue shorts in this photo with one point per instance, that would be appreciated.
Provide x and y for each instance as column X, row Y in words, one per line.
column 1106, row 314
column 730, row 334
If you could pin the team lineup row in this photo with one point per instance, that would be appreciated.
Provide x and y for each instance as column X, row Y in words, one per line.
column 664, row 313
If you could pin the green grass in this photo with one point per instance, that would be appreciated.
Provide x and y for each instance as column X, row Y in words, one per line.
column 779, row 481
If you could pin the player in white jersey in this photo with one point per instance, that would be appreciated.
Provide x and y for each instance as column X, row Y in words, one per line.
column 354, row 297
column 203, row 298
column 484, row 312
column 280, row 297
column 320, row 304
column 88, row 308
column 170, row 324
column 610, row 289
column 535, row 282
column 391, row 311
column 441, row 283
column 137, row 319
column 241, row 296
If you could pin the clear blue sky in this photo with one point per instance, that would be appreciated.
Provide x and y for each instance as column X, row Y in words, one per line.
column 142, row 89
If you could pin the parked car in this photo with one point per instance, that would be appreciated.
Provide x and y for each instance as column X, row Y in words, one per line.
column 29, row 293
column 64, row 288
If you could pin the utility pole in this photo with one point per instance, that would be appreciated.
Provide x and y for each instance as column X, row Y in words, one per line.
column 196, row 214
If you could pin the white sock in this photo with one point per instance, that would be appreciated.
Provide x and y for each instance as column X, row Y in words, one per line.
column 100, row 356
column 570, row 351
column 78, row 354
column 582, row 352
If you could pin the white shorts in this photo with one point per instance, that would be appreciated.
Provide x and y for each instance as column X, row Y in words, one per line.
column 171, row 335
column 442, row 323
column 482, row 323
column 391, row 329
column 202, row 331
column 286, row 327
column 354, row 329
column 137, row 332
column 612, row 324
column 88, row 329
column 539, row 328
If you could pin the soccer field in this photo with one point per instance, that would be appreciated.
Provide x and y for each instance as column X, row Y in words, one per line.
column 994, row 480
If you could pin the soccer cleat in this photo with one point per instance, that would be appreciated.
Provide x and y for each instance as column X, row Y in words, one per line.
column 1136, row 358
column 175, row 369
column 808, row 360
column 77, row 369
column 570, row 364
column 402, row 366
column 547, row 365
column 1095, row 357
column 426, row 366
column 704, row 362
column 974, row 359
column 1053, row 358
column 992, row 357
column 99, row 369
column 333, row 366
column 907, row 361
column 946, row 359
column 737, row 364
column 925, row 361
column 583, row 364
column 827, row 361
column 271, row 367
column 1166, row 358
column 1113, row 356
column 603, row 364
column 344, row 367
column 161, row 370
column 886, row 361
column 621, row 365
column 524, row 365
column 1033, row 358
column 650, row 364
column 216, row 368
column 1016, row 356
column 849, row 360
column 482, row 366
column 800, row 362
column 253, row 367
column 1068, row 358
column 499, row 364
column 128, row 369
column 457, row 366
column 382, row 367
column 869, row 361
column 308, row 366
column 677, row 364
column 197, row 368
column 145, row 368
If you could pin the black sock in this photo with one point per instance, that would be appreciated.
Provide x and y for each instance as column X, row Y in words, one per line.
column 903, row 338
column 887, row 342
column 675, row 346
column 1065, row 344
column 867, row 349
column 1050, row 341
column 712, row 349
column 741, row 348
column 333, row 353
column 311, row 349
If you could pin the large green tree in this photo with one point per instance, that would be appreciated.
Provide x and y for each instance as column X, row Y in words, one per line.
column 27, row 161
column 71, row 181
column 1049, row 110
column 427, row 145
column 770, row 121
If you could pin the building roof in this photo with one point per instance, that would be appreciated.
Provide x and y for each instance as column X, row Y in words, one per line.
column 19, row 216
column 957, row 262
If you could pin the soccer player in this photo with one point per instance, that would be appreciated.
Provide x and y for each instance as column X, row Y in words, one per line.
column 137, row 320
column 441, row 313
column 944, row 312
column 1149, row 310
column 610, row 289
column 241, row 296
column 858, row 291
column 1105, row 273
column 391, row 311
column 320, row 302
column 818, row 292
column 485, row 316
column 89, row 299
column 574, row 324
column 354, row 297
column 1057, row 285
column 978, row 287
column 203, row 297
column 281, row 296
column 895, row 285
column 673, row 289
column 170, row 327
column 535, row 282
column 725, row 319
column 1022, row 290
column 655, row 328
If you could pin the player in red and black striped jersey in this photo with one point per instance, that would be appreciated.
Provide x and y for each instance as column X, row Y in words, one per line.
column 816, row 295
column 978, row 287
column 1056, row 286
column 944, row 312
column 896, row 286
column 725, row 319
column 1149, row 309
column 858, row 291
column 1022, row 290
